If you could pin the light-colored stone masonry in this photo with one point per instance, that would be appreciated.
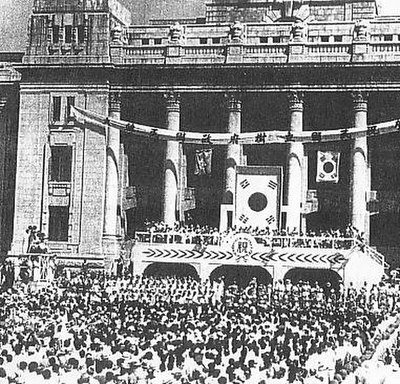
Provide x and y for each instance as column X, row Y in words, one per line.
column 116, row 56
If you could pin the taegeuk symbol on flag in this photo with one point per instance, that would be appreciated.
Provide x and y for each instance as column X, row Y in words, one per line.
column 327, row 167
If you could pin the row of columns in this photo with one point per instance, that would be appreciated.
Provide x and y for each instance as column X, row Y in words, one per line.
column 293, row 181
column 359, row 181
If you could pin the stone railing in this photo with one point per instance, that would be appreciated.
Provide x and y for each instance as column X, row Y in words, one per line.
column 154, row 238
column 81, row 59
column 313, row 242
column 260, row 43
column 373, row 254
column 256, row 53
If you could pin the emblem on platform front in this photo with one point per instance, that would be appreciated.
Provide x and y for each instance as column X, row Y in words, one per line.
column 242, row 246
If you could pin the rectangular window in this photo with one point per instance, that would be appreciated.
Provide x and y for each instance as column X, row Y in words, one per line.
column 56, row 114
column 68, row 34
column 264, row 40
column 203, row 40
column 216, row 40
column 56, row 34
column 338, row 39
column 81, row 34
column 157, row 41
column 145, row 41
column 276, row 39
column 387, row 37
column 70, row 103
column 61, row 163
column 325, row 39
column 58, row 223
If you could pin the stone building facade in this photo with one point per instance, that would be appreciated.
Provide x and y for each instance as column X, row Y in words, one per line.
column 242, row 66
column 9, row 100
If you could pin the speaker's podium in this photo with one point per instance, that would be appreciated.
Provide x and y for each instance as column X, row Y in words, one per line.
column 257, row 199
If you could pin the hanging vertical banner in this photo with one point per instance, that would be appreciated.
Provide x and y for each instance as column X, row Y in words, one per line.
column 327, row 167
column 258, row 196
column 203, row 159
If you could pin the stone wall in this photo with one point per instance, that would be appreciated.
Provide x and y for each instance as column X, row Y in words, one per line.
column 8, row 148
column 32, row 140
column 36, row 192
column 61, row 29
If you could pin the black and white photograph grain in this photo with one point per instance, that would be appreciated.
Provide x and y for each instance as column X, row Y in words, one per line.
column 199, row 191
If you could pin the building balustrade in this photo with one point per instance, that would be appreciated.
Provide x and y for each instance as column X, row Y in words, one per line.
column 81, row 59
column 385, row 47
column 262, row 53
column 266, row 49
column 144, row 51
column 262, row 43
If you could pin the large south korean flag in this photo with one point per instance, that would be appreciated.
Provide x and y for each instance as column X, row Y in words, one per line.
column 258, row 196
column 327, row 166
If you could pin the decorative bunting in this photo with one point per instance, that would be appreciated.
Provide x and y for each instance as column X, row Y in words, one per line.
column 267, row 137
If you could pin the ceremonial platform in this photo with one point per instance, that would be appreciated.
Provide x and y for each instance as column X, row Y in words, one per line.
column 346, row 259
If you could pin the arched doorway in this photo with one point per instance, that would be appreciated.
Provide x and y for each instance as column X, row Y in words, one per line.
column 171, row 269
column 241, row 275
column 322, row 276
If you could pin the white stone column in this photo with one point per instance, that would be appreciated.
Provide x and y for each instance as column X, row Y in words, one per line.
column 233, row 151
column 110, row 234
column 171, row 161
column 359, row 165
column 294, row 164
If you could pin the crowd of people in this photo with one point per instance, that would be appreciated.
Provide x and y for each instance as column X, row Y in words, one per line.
column 160, row 232
column 161, row 227
column 94, row 328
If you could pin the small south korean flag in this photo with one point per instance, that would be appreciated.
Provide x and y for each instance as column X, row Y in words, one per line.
column 328, row 167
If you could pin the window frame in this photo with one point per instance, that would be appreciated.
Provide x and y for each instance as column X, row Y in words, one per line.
column 65, row 106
